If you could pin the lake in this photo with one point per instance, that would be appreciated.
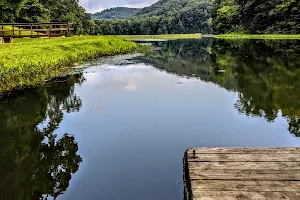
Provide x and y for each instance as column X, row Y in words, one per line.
column 118, row 127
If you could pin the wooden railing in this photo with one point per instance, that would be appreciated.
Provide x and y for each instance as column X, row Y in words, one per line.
column 20, row 30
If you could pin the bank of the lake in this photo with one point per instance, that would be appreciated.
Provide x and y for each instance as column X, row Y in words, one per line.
column 197, row 36
column 257, row 36
column 161, row 37
column 30, row 62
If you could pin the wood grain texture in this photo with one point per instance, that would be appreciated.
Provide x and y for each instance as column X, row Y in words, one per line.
column 245, row 165
column 233, row 195
column 246, row 186
column 278, row 157
column 243, row 173
column 250, row 175
column 244, row 150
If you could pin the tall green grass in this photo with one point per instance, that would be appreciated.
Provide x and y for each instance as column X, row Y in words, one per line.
column 29, row 62
column 263, row 36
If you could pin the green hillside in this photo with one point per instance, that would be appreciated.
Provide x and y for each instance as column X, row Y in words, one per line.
column 209, row 16
column 174, row 7
column 116, row 13
column 163, row 7
column 163, row 17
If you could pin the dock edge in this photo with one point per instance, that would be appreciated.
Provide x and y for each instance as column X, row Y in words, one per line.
column 186, row 178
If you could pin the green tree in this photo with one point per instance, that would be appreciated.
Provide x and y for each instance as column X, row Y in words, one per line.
column 33, row 11
column 256, row 16
column 9, row 9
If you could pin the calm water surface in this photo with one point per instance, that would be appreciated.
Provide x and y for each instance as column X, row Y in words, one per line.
column 119, row 127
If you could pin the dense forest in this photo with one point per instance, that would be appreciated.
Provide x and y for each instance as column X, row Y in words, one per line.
column 116, row 13
column 207, row 16
column 47, row 11
column 256, row 16
column 164, row 16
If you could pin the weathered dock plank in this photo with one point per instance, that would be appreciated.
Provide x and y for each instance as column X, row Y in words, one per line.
column 246, row 186
column 242, row 173
column 244, row 165
column 278, row 157
column 232, row 195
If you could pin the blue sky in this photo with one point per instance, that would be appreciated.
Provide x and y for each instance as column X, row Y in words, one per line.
column 93, row 6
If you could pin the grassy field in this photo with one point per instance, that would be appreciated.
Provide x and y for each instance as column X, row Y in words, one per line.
column 29, row 62
column 161, row 37
column 263, row 36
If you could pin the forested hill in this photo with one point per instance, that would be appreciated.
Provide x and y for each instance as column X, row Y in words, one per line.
column 174, row 7
column 30, row 11
column 116, row 13
column 164, row 17
column 210, row 16
column 163, row 7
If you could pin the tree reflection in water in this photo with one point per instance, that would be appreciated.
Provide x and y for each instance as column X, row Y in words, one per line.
column 34, row 162
column 264, row 73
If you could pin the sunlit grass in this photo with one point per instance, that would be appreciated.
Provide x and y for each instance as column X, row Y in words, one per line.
column 29, row 62
column 160, row 37
column 263, row 36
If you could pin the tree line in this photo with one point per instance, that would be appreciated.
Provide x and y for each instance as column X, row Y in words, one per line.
column 256, row 16
column 165, row 16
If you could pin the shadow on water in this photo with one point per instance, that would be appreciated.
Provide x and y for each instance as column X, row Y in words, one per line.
column 34, row 162
column 264, row 73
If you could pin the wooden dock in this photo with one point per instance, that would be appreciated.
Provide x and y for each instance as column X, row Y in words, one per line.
column 242, row 173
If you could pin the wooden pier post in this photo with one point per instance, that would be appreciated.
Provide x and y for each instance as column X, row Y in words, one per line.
column 31, row 30
column 242, row 174
column 49, row 30
column 68, row 29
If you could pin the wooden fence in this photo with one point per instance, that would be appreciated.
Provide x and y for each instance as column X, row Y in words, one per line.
column 35, row 30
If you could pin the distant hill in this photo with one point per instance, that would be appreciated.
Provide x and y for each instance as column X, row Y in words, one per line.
column 163, row 17
column 163, row 7
column 116, row 13
column 175, row 7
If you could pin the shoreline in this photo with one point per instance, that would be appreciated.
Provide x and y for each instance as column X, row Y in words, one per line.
column 259, row 36
column 161, row 37
column 198, row 36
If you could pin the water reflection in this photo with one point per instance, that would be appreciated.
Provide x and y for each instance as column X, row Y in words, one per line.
column 265, row 74
column 34, row 162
